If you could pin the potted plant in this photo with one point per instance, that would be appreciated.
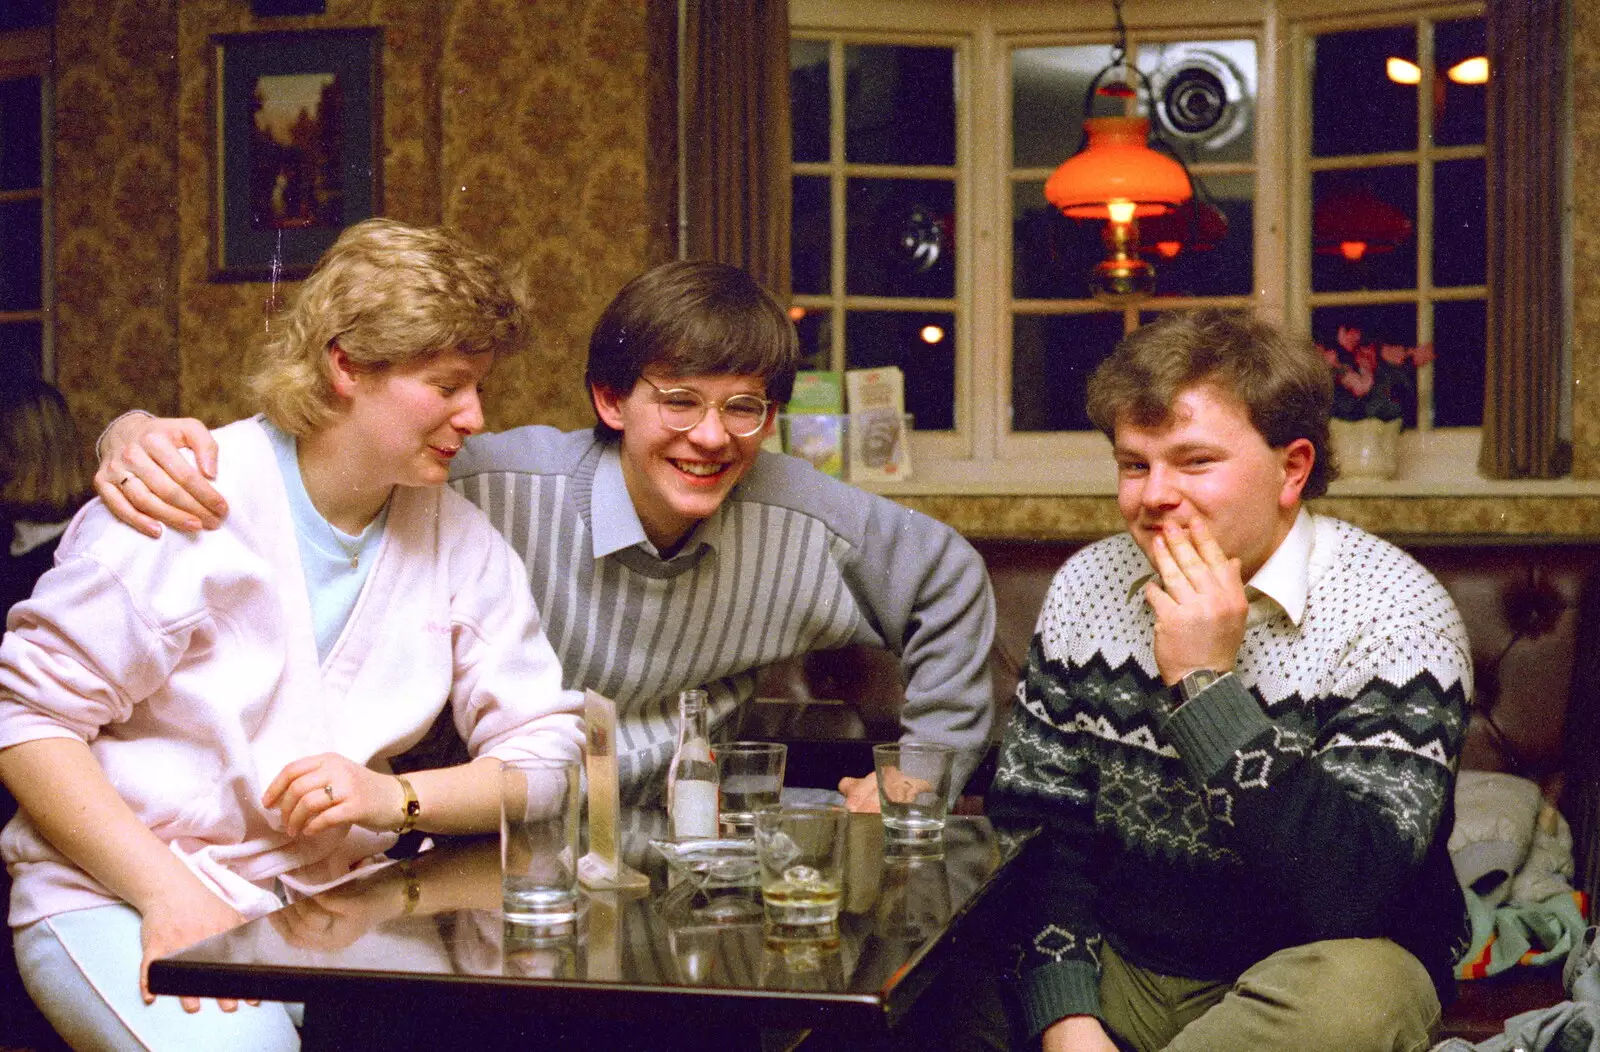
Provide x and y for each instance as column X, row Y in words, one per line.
column 1371, row 384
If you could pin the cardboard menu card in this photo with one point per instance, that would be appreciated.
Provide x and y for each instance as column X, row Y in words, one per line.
column 879, row 450
column 814, row 425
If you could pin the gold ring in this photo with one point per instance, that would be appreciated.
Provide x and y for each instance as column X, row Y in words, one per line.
column 329, row 790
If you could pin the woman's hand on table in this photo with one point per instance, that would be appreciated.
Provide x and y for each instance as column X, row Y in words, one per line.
column 146, row 481
column 177, row 921
column 328, row 791
column 336, row 918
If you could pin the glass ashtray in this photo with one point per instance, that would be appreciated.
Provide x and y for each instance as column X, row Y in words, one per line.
column 712, row 863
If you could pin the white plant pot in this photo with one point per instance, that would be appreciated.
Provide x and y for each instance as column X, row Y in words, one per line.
column 1366, row 449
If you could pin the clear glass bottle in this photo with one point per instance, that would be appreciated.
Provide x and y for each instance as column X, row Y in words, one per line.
column 692, row 780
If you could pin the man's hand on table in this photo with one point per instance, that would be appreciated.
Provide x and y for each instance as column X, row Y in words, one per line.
column 1200, row 603
column 1078, row 1033
column 146, row 481
column 861, row 794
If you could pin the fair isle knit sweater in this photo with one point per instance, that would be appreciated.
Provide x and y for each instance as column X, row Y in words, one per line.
column 1306, row 797
column 793, row 561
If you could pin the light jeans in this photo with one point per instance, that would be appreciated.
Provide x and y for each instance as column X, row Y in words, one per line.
column 82, row 970
column 1343, row 995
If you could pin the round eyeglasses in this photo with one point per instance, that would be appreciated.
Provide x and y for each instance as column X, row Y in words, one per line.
column 682, row 410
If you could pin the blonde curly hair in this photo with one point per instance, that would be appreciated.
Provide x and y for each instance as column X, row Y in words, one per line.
column 388, row 294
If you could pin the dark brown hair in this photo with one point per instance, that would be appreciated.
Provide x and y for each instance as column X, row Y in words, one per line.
column 1281, row 380
column 692, row 319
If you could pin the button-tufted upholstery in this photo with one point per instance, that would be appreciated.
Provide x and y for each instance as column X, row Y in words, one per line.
column 1532, row 609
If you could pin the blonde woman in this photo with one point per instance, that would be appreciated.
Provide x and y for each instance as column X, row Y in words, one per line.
column 198, row 728
column 43, row 480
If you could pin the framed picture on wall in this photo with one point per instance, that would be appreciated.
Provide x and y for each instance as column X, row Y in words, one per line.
column 296, row 147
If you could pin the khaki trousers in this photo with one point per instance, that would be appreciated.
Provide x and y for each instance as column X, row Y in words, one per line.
column 1345, row 995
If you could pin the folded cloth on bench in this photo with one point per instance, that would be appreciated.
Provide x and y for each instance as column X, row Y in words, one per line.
column 1571, row 1026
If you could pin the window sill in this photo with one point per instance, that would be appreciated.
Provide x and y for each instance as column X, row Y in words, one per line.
column 1440, row 463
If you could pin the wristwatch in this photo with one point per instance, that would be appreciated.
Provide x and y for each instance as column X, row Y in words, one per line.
column 1196, row 681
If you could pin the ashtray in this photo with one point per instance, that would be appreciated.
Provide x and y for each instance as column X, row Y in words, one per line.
column 712, row 863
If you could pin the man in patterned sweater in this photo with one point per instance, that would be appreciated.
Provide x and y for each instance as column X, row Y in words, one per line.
column 1239, row 725
column 665, row 549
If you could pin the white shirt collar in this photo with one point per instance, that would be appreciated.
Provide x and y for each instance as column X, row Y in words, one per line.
column 614, row 521
column 1285, row 578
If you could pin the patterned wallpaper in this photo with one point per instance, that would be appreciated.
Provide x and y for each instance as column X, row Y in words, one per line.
column 528, row 125
column 543, row 129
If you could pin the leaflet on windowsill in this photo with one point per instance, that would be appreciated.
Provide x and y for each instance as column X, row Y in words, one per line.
column 879, row 450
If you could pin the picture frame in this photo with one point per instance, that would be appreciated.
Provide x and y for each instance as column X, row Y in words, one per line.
column 296, row 147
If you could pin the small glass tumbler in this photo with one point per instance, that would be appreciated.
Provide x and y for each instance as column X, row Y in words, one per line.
column 539, row 814
column 802, row 851
column 751, row 775
column 914, row 795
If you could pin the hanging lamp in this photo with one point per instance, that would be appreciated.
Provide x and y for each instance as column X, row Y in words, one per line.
column 1353, row 222
column 1116, row 176
column 1197, row 225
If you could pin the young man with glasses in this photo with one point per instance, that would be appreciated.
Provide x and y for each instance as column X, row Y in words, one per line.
column 664, row 549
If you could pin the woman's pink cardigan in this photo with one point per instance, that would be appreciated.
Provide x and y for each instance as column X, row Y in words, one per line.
column 189, row 666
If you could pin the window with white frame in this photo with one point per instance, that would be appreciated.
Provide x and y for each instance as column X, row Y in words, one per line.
column 919, row 163
column 1391, row 186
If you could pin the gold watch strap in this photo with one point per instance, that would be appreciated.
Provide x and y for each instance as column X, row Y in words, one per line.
column 413, row 807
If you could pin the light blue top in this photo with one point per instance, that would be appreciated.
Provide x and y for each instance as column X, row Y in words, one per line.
column 335, row 563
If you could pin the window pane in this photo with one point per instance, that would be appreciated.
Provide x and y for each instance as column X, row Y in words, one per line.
column 1051, row 254
column 1051, row 359
column 808, row 99
column 21, row 255
column 1460, row 111
column 1359, row 214
column 1205, row 94
column 21, row 154
column 810, row 237
column 899, row 104
column 900, row 237
column 1225, row 269
column 1460, row 242
column 815, row 329
column 1459, row 338
column 21, row 349
column 922, row 344
column 1355, row 107
column 1047, row 86
column 1374, row 325
column 20, row 14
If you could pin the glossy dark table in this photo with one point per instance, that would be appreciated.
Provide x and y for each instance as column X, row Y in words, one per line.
column 419, row 954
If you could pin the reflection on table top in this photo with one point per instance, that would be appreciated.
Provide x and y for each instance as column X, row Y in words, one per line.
column 433, row 928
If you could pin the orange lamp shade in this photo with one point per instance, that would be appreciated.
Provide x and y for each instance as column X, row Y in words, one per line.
column 1117, row 164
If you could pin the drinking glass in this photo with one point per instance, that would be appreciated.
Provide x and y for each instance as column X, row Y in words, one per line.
column 802, row 850
column 751, row 780
column 539, row 813
column 913, row 794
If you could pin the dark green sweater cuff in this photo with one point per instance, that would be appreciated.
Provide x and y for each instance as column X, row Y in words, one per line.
column 1208, row 730
column 1055, row 991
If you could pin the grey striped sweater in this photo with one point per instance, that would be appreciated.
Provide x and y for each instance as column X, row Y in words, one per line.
column 794, row 561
